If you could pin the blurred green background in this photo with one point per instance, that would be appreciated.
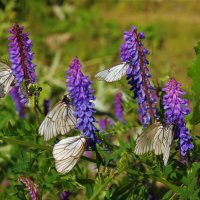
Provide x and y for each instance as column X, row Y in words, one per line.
column 92, row 30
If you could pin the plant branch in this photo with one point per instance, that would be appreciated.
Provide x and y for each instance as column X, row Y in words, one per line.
column 38, row 146
column 108, row 180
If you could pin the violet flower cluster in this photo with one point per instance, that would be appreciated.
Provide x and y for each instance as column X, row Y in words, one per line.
column 134, row 53
column 81, row 93
column 104, row 123
column 33, row 188
column 118, row 106
column 46, row 106
column 21, row 59
column 14, row 93
column 65, row 195
column 176, row 108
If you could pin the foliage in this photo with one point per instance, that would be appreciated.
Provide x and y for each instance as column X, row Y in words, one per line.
column 60, row 30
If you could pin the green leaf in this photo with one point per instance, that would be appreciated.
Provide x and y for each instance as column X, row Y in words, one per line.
column 123, row 162
column 23, row 163
column 98, row 159
column 194, row 73
column 167, row 195
column 89, row 190
column 197, row 48
column 168, row 170
column 196, row 113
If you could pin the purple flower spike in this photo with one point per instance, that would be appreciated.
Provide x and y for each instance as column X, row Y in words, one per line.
column 14, row 93
column 134, row 53
column 81, row 93
column 21, row 57
column 46, row 105
column 176, row 108
column 33, row 188
column 103, row 123
column 118, row 106
column 65, row 195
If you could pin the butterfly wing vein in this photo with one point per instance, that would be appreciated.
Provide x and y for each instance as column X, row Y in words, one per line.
column 6, row 79
column 156, row 138
column 113, row 74
column 68, row 152
column 60, row 120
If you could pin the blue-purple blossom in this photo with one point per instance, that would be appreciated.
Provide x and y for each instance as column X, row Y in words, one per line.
column 175, row 109
column 46, row 105
column 104, row 123
column 134, row 53
column 81, row 93
column 21, row 58
column 32, row 187
column 65, row 195
column 14, row 93
column 118, row 106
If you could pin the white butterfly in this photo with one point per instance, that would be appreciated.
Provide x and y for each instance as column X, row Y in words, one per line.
column 60, row 120
column 67, row 153
column 113, row 74
column 6, row 79
column 157, row 138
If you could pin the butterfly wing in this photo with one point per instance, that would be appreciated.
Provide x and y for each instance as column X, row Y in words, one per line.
column 168, row 135
column 162, row 142
column 157, row 138
column 144, row 143
column 60, row 120
column 6, row 79
column 113, row 74
column 67, row 153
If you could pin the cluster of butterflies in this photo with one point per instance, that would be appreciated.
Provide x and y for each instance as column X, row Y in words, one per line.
column 157, row 137
column 60, row 120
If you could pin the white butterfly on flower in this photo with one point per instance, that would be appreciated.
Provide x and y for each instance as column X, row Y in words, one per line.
column 67, row 153
column 157, row 138
column 113, row 74
column 6, row 79
column 60, row 120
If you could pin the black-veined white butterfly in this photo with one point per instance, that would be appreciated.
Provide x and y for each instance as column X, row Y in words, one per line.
column 6, row 79
column 157, row 138
column 113, row 74
column 60, row 120
column 67, row 153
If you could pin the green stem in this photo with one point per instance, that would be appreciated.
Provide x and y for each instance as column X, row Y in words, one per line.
column 25, row 143
column 101, row 188
column 37, row 146
column 162, row 180
column 168, row 184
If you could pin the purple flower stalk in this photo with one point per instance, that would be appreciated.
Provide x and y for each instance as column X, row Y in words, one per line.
column 33, row 188
column 81, row 93
column 46, row 105
column 21, row 57
column 14, row 93
column 175, row 109
column 134, row 53
column 103, row 123
column 65, row 195
column 118, row 106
